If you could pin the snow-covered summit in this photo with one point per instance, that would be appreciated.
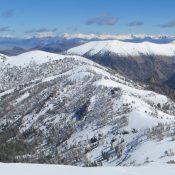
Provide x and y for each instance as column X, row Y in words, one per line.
column 25, row 59
column 121, row 48
column 37, row 57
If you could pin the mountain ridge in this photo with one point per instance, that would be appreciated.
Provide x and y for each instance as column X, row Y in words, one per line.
column 121, row 48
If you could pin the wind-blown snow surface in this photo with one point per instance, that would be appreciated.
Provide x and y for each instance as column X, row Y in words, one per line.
column 34, row 169
column 70, row 110
column 124, row 48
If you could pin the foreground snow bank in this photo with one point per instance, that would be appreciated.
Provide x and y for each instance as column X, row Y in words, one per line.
column 34, row 169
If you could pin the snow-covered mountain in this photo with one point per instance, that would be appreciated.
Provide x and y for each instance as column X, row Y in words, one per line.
column 138, row 61
column 69, row 110
column 124, row 48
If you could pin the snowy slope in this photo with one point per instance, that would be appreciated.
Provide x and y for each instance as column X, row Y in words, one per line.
column 123, row 48
column 37, row 57
column 70, row 110
column 36, row 169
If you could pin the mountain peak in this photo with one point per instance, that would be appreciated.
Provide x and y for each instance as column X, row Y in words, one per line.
column 121, row 48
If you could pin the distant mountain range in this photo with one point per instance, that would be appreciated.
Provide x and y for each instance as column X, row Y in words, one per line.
column 124, row 37
column 14, row 46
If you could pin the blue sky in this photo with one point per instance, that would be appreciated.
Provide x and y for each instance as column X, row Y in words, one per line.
column 30, row 17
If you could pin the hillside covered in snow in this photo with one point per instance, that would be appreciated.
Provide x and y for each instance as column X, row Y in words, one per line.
column 144, row 61
column 67, row 109
column 121, row 48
